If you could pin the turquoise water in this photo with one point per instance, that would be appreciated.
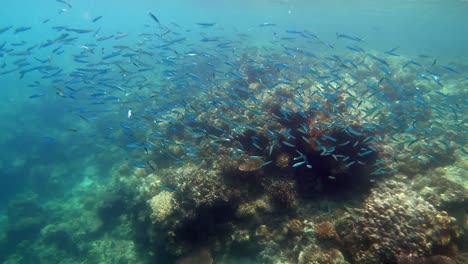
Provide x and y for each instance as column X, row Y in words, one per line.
column 214, row 131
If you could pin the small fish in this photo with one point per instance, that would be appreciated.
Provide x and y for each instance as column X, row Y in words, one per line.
column 361, row 154
column 344, row 144
column 378, row 59
column 303, row 129
column 84, row 118
column 295, row 165
column 153, row 17
column 355, row 48
column 5, row 29
column 193, row 76
column 270, row 151
column 139, row 165
column 36, row 96
column 21, row 29
column 135, row 145
column 204, row 24
column 129, row 113
column 386, row 71
column 391, row 52
column 151, row 166
column 450, row 69
column 123, row 35
column 167, row 188
column 292, row 31
column 79, row 31
column 59, row 92
column 48, row 139
column 104, row 38
column 256, row 145
column 378, row 171
column 96, row 19
column 65, row 2
column 353, row 131
column 411, row 62
column 329, row 138
column 288, row 144
column 353, row 38
column 267, row 24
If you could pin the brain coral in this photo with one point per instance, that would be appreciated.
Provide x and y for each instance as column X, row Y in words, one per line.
column 162, row 205
column 394, row 222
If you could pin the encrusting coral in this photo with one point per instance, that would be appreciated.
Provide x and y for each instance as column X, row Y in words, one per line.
column 395, row 222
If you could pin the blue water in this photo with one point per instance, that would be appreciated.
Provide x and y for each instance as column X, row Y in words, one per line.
column 65, row 133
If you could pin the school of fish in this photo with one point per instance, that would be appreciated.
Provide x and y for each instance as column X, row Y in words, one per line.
column 174, row 94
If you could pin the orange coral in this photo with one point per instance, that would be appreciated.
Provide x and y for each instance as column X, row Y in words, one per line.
column 325, row 230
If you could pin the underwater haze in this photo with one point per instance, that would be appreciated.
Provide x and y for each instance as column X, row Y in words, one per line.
column 261, row 131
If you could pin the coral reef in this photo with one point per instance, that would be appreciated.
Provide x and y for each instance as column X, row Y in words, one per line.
column 262, row 166
column 395, row 222
column 254, row 185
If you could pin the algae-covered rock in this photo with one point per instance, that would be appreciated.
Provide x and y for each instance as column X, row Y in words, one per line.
column 113, row 251
column 25, row 219
column 61, row 237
